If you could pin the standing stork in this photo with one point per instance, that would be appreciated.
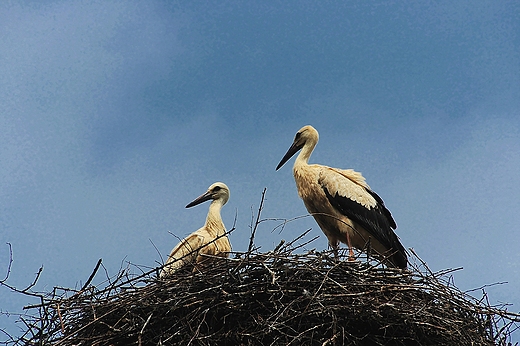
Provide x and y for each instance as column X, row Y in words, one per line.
column 343, row 205
column 210, row 239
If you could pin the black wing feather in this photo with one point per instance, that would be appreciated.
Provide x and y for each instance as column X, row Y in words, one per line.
column 383, row 209
column 377, row 221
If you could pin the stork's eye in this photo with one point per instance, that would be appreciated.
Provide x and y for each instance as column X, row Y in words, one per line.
column 298, row 134
column 216, row 188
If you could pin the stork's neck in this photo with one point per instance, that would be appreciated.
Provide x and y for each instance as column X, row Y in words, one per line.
column 304, row 155
column 214, row 220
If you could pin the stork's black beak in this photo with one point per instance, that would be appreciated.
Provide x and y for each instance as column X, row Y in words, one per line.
column 292, row 150
column 205, row 197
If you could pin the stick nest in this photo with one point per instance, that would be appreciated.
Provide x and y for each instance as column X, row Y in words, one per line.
column 274, row 298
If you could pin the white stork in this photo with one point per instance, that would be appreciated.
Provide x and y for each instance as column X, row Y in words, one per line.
column 344, row 206
column 210, row 239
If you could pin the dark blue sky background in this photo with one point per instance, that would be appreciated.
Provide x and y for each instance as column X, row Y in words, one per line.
column 116, row 114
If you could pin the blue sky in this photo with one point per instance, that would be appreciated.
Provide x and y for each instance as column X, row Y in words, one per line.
column 116, row 114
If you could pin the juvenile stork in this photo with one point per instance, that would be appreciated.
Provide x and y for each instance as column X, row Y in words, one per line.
column 343, row 205
column 210, row 239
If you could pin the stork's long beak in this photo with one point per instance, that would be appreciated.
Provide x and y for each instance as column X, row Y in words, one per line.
column 205, row 197
column 292, row 150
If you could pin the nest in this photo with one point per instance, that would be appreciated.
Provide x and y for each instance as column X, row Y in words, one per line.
column 274, row 298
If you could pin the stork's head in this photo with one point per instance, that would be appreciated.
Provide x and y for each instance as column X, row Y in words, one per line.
column 306, row 135
column 217, row 191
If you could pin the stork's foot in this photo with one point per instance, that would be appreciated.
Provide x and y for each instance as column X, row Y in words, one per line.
column 351, row 257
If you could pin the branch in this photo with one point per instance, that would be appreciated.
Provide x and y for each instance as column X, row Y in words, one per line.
column 91, row 275
column 35, row 280
column 9, row 265
column 251, row 239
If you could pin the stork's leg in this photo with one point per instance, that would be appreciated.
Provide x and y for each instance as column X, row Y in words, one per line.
column 350, row 251
column 334, row 245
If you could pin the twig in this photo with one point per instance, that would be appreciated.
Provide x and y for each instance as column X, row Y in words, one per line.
column 484, row 286
column 142, row 329
column 251, row 239
column 10, row 263
column 91, row 277
column 34, row 281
